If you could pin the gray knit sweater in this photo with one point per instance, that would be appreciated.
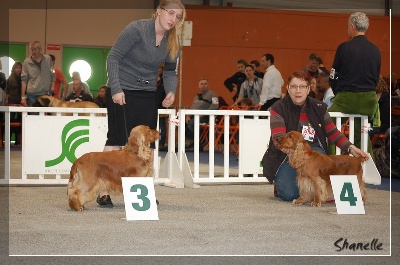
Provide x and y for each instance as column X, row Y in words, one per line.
column 134, row 60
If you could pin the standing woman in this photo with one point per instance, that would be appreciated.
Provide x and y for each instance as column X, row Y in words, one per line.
column 13, row 96
column 132, row 68
column 251, row 87
column 13, row 89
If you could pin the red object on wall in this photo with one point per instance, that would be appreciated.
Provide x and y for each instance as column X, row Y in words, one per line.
column 54, row 47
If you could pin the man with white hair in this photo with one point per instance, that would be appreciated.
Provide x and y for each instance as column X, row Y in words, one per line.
column 355, row 73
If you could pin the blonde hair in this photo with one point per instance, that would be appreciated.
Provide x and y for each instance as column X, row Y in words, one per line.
column 173, row 40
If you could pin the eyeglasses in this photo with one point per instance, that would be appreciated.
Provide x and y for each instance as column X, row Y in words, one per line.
column 172, row 13
column 301, row 87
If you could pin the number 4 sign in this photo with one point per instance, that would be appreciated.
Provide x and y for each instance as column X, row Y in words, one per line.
column 139, row 198
column 347, row 194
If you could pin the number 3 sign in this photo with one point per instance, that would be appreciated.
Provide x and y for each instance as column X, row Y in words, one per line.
column 139, row 198
column 347, row 194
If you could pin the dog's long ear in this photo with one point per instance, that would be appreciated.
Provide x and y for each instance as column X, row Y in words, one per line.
column 140, row 140
column 297, row 158
column 144, row 151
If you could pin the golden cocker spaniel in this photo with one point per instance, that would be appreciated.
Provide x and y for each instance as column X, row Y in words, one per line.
column 95, row 172
column 313, row 169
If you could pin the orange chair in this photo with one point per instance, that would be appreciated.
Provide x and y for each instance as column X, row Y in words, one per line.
column 396, row 114
column 345, row 128
column 376, row 137
column 233, row 129
column 206, row 127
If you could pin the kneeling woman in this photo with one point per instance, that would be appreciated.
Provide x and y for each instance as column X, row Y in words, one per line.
column 299, row 112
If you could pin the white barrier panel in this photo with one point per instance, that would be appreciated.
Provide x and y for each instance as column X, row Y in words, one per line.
column 50, row 144
column 175, row 171
column 64, row 139
column 253, row 141
column 371, row 177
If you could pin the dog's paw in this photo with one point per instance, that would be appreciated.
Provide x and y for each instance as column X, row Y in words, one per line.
column 297, row 201
column 316, row 204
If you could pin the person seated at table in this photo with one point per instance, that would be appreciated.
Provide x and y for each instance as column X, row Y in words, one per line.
column 69, row 89
column 205, row 100
column 78, row 94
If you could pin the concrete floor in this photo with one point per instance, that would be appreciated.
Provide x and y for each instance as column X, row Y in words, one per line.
column 215, row 224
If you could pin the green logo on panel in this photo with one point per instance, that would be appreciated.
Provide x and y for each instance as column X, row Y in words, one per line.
column 78, row 134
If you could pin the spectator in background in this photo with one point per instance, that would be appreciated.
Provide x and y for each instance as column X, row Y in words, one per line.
column 257, row 71
column 37, row 77
column 355, row 74
column 222, row 102
column 205, row 100
column 314, row 90
column 2, row 93
column 251, row 87
column 234, row 82
column 245, row 103
column 78, row 94
column 272, row 83
column 312, row 67
column 322, row 67
column 2, row 78
column 325, row 89
column 381, row 120
column 60, row 79
column 13, row 88
column 13, row 96
column 85, row 86
column 2, row 100
column 100, row 100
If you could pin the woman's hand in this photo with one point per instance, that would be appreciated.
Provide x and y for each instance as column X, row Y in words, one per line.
column 168, row 100
column 119, row 98
column 356, row 152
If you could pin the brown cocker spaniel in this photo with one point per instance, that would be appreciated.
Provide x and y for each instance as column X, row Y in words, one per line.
column 95, row 172
column 313, row 169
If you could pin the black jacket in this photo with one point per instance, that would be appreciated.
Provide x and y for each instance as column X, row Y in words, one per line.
column 238, row 78
column 290, row 112
column 357, row 65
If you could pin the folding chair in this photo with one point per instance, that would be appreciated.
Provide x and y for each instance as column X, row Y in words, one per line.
column 233, row 129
